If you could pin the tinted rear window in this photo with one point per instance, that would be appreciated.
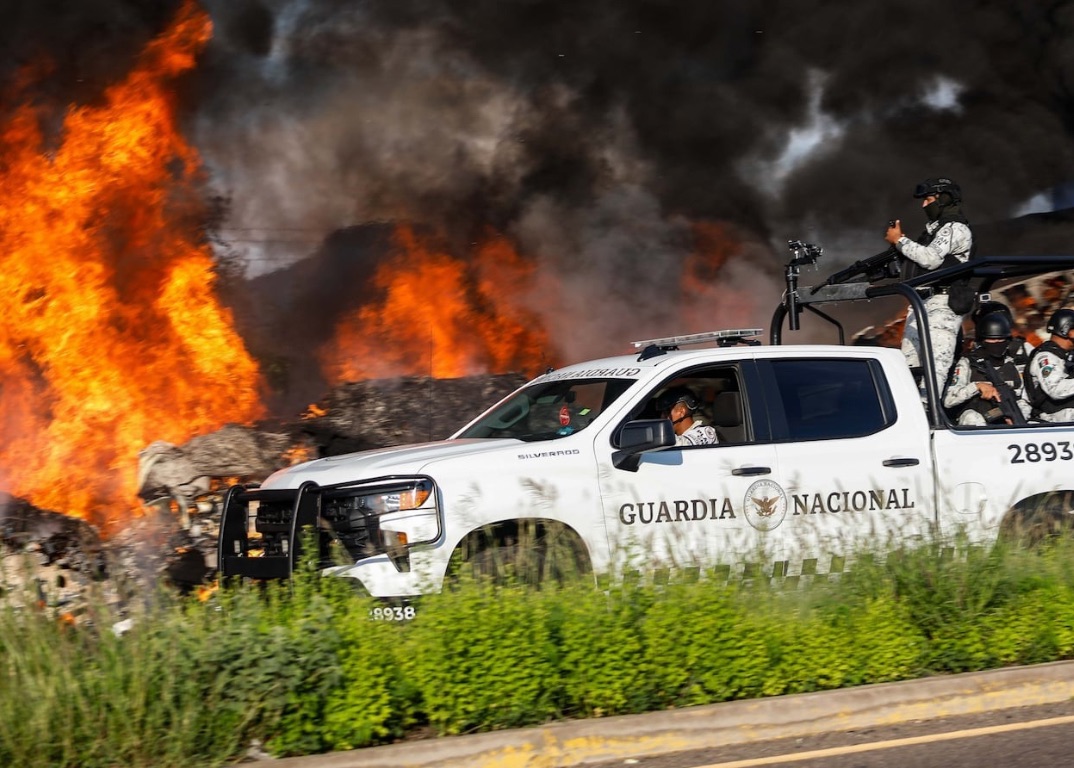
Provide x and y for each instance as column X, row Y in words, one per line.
column 826, row 399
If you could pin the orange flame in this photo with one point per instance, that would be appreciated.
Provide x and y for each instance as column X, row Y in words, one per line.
column 711, row 297
column 111, row 335
column 714, row 245
column 440, row 316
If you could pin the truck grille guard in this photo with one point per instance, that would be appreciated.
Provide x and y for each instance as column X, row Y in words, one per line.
column 262, row 531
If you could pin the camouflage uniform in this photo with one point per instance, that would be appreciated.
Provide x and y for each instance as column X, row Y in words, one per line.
column 697, row 434
column 963, row 391
column 949, row 239
column 1049, row 370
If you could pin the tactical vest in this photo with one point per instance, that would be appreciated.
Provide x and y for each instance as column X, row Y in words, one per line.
column 1016, row 351
column 1007, row 372
column 910, row 268
column 1035, row 396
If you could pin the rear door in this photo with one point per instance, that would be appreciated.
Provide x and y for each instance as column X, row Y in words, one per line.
column 985, row 471
column 855, row 466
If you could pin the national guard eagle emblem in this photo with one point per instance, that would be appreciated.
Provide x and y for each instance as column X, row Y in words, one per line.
column 765, row 505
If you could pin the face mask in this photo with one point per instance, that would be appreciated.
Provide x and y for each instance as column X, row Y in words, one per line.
column 995, row 349
column 932, row 210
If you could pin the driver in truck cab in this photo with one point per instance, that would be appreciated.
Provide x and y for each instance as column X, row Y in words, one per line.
column 681, row 406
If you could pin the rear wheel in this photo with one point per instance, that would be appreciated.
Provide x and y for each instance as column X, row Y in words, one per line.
column 1039, row 520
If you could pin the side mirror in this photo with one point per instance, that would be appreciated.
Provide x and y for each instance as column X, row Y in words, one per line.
column 637, row 437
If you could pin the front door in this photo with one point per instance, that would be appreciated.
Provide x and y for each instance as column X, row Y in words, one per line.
column 685, row 507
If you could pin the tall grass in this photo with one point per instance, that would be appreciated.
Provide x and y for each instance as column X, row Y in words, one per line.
column 301, row 668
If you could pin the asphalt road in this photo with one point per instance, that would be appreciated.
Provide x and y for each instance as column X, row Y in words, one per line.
column 1020, row 736
column 789, row 730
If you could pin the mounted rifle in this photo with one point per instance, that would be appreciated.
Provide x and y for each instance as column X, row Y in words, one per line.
column 882, row 266
column 802, row 254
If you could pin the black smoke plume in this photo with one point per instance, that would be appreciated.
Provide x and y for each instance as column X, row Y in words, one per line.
column 597, row 135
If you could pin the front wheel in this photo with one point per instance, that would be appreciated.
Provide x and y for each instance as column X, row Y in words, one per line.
column 530, row 552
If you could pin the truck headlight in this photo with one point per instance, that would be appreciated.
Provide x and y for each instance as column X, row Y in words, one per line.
column 390, row 517
column 398, row 501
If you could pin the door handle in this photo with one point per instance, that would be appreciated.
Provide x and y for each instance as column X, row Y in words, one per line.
column 903, row 462
column 748, row 471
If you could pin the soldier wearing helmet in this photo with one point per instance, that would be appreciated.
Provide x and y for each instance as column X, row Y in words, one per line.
column 1019, row 349
column 681, row 405
column 1049, row 374
column 946, row 241
column 986, row 385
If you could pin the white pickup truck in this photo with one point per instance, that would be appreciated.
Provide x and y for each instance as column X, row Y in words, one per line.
column 822, row 449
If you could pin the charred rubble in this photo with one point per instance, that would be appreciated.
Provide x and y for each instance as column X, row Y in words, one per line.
column 185, row 484
column 173, row 542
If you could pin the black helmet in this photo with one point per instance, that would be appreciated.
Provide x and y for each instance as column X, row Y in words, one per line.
column 993, row 326
column 668, row 399
column 938, row 187
column 1061, row 322
column 988, row 307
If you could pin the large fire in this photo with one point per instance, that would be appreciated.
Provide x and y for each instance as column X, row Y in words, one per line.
column 111, row 335
column 709, row 298
column 440, row 316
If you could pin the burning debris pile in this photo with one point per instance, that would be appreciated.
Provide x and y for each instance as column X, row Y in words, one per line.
column 174, row 540
column 355, row 416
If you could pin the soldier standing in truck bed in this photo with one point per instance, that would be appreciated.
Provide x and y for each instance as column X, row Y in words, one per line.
column 946, row 241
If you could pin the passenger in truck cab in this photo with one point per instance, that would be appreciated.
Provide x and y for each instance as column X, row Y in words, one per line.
column 1049, row 374
column 681, row 405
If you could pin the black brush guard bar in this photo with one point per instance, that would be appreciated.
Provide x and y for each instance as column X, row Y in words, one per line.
column 289, row 513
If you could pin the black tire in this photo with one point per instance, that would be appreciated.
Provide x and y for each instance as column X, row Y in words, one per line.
column 1045, row 519
column 530, row 552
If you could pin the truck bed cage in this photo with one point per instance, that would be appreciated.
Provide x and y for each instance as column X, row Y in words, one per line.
column 982, row 273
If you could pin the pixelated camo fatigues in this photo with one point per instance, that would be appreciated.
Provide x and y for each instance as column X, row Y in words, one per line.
column 949, row 239
column 1049, row 370
column 962, row 389
column 697, row 434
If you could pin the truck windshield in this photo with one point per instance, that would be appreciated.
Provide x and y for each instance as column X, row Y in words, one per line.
column 549, row 410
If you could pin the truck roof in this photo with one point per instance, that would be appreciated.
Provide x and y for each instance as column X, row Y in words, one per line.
column 640, row 366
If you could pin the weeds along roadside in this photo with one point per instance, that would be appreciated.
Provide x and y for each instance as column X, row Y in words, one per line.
column 300, row 668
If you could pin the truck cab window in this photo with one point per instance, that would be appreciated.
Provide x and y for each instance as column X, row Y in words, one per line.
column 718, row 394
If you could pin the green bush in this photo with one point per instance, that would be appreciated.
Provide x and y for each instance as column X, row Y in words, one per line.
column 300, row 667
column 703, row 644
column 482, row 656
column 602, row 668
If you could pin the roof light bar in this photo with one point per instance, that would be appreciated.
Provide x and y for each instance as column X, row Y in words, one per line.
column 672, row 342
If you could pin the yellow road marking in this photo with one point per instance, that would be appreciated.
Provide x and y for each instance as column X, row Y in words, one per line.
column 891, row 743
